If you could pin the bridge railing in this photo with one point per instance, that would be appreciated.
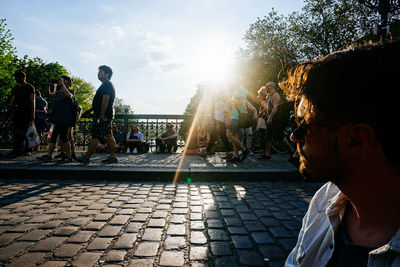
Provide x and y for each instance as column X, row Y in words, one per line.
column 149, row 124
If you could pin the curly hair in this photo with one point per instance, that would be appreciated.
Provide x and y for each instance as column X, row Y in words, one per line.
column 357, row 85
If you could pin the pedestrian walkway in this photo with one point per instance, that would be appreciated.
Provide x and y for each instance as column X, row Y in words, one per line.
column 154, row 167
column 120, row 223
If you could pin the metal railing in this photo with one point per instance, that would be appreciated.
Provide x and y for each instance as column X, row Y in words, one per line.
column 149, row 124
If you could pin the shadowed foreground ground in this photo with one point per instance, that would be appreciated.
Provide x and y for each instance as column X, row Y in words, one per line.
column 95, row 223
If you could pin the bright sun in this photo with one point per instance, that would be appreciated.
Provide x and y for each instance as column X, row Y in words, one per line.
column 212, row 61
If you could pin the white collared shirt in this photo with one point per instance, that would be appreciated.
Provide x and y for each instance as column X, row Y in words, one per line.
column 316, row 241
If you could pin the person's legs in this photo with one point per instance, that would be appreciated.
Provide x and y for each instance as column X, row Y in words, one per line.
column 65, row 146
column 249, row 137
column 213, row 138
column 92, row 146
column 222, row 133
column 111, row 144
column 160, row 147
column 172, row 145
column 71, row 140
column 20, row 127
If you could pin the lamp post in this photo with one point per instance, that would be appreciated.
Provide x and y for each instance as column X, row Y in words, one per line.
column 384, row 7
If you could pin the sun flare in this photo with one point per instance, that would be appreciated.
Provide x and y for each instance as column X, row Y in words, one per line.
column 213, row 61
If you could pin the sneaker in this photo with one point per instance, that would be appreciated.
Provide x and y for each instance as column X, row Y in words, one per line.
column 60, row 155
column 244, row 154
column 83, row 159
column 45, row 158
column 110, row 160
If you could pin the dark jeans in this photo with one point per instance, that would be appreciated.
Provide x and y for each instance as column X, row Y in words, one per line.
column 137, row 145
column 219, row 129
column 168, row 145
column 21, row 124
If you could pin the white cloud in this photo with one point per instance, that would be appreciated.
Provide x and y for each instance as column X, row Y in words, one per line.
column 118, row 31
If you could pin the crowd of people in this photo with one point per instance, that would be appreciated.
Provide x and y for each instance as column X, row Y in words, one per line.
column 234, row 120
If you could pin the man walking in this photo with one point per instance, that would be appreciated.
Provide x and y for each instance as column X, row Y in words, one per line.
column 343, row 138
column 103, row 110
column 23, row 105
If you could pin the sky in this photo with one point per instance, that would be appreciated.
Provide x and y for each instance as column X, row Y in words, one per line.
column 159, row 50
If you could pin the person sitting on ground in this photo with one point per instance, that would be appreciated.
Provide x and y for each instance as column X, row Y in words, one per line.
column 102, row 146
column 198, row 141
column 353, row 219
column 134, row 140
column 40, row 114
column 117, row 137
column 167, row 141
column 62, row 117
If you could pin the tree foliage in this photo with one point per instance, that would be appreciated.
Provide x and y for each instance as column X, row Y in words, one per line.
column 7, row 63
column 84, row 92
column 120, row 107
column 276, row 42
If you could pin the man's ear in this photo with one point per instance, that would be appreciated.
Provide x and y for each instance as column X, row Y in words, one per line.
column 361, row 136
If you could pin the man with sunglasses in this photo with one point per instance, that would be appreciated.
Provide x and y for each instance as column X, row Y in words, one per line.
column 167, row 141
column 344, row 140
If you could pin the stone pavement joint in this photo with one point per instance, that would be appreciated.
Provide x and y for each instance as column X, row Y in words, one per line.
column 120, row 223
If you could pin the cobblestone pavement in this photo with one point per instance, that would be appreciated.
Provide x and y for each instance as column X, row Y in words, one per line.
column 78, row 223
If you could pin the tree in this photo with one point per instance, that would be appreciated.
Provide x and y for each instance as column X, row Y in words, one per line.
column 7, row 63
column 84, row 92
column 325, row 26
column 120, row 107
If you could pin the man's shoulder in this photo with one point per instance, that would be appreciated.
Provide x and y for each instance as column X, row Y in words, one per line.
column 324, row 196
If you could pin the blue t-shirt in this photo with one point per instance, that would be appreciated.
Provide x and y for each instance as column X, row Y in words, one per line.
column 239, row 102
column 118, row 137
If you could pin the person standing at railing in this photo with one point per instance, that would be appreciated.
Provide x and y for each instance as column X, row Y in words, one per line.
column 23, row 112
column 103, row 109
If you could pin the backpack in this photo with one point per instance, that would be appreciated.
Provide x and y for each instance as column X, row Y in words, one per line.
column 246, row 119
column 76, row 111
